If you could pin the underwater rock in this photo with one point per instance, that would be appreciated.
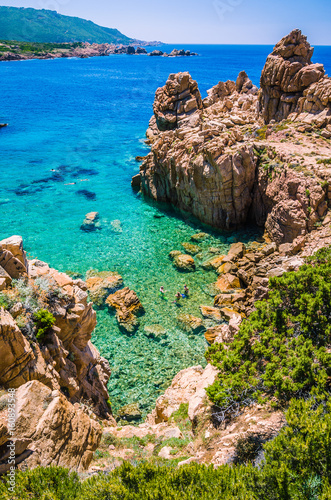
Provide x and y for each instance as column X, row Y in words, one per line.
column 116, row 226
column 91, row 222
column 130, row 413
column 89, row 195
column 184, row 263
column 190, row 248
column 190, row 324
column 155, row 331
column 174, row 253
column 199, row 236
column 214, row 250
column 128, row 307
column 101, row 284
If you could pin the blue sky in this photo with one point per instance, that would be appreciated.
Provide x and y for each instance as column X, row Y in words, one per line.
column 201, row 21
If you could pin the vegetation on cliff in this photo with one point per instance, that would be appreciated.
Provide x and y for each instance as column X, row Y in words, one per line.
column 47, row 26
column 282, row 350
column 296, row 465
column 280, row 354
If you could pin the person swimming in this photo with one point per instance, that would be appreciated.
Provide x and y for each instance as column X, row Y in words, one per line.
column 186, row 291
column 178, row 296
column 163, row 293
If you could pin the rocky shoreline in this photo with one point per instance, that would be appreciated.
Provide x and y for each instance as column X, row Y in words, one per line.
column 60, row 378
column 12, row 51
column 241, row 155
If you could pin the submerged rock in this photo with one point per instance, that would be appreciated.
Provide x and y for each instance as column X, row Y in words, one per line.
column 190, row 248
column 199, row 236
column 101, row 284
column 91, row 222
column 155, row 331
column 116, row 226
column 190, row 324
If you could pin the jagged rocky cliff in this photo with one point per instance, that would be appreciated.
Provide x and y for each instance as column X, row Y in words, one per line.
column 227, row 161
column 60, row 377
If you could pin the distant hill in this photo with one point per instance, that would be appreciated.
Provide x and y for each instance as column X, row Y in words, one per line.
column 47, row 26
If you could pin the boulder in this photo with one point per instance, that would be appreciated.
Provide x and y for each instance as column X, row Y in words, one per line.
column 184, row 263
column 130, row 413
column 179, row 97
column 128, row 307
column 102, row 284
column 91, row 222
column 237, row 251
column 286, row 77
column 156, row 53
column 227, row 282
column 52, row 431
column 214, row 263
column 190, row 324
column 182, row 388
column 14, row 244
column 212, row 313
column 136, row 182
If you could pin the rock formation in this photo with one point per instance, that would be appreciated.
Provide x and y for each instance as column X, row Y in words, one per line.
column 291, row 84
column 218, row 160
column 128, row 307
column 49, row 430
column 53, row 363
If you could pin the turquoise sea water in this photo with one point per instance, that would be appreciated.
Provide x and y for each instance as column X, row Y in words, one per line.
column 75, row 127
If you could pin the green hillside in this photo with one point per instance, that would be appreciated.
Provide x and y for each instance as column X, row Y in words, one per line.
column 47, row 26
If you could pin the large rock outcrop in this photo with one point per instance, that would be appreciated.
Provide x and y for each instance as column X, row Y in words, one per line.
column 48, row 430
column 222, row 163
column 66, row 359
column 177, row 100
column 59, row 376
column 291, row 83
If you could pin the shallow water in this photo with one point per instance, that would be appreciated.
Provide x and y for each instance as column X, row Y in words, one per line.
column 75, row 129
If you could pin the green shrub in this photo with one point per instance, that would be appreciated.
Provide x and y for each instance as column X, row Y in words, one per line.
column 50, row 483
column 44, row 320
column 281, row 351
column 297, row 466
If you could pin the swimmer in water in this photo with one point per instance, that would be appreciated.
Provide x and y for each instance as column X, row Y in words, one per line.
column 186, row 291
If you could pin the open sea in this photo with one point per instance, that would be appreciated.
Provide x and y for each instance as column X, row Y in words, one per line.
column 75, row 128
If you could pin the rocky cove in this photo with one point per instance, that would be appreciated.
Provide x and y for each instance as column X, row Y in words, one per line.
column 241, row 155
